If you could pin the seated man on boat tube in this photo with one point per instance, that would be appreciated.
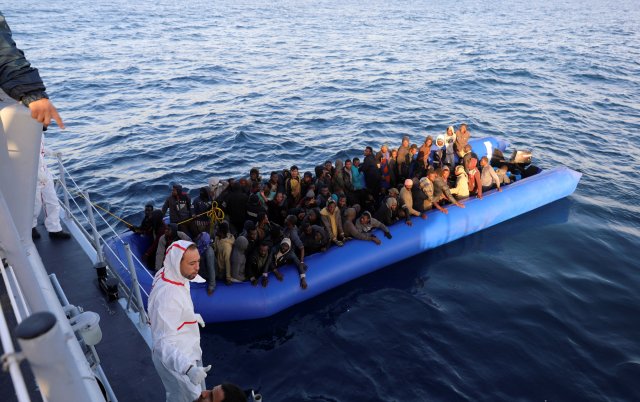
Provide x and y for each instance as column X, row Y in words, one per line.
column 330, row 216
column 281, row 256
column 488, row 176
column 441, row 191
column 314, row 238
column 406, row 200
column 175, row 335
column 387, row 213
column 351, row 230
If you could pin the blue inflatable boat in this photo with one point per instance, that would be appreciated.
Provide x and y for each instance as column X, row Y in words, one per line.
column 338, row 265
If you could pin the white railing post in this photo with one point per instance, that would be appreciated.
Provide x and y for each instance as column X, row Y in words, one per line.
column 94, row 229
column 135, row 286
column 63, row 182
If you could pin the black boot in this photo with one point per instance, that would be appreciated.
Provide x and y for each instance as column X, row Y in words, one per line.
column 59, row 235
column 34, row 233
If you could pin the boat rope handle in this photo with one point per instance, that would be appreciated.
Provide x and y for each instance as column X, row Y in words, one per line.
column 216, row 214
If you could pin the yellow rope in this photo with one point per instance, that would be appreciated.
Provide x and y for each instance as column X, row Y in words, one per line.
column 215, row 214
column 103, row 209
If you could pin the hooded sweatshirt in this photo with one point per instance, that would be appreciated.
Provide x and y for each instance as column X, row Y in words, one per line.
column 174, row 324
column 350, row 229
column 373, row 224
column 332, row 222
column 223, row 247
column 461, row 189
column 385, row 214
column 239, row 258
column 357, row 178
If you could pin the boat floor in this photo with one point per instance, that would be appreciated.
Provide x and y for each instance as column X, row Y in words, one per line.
column 125, row 357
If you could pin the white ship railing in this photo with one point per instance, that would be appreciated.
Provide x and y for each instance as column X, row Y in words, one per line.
column 84, row 218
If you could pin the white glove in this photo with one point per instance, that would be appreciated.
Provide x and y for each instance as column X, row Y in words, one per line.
column 198, row 374
column 199, row 320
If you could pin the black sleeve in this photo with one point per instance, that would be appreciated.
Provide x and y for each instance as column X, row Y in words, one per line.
column 17, row 78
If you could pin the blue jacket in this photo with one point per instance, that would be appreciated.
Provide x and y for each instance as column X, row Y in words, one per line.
column 357, row 178
column 17, row 78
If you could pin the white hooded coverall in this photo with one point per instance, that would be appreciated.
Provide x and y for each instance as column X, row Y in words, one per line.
column 174, row 327
column 46, row 197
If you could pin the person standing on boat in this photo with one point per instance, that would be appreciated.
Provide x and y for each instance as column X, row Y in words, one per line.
column 175, row 335
column 47, row 200
column 179, row 206
column 22, row 82
column 462, row 138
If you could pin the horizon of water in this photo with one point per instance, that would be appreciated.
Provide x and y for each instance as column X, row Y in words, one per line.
column 542, row 307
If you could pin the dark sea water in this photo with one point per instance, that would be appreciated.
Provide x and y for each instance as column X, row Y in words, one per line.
column 542, row 307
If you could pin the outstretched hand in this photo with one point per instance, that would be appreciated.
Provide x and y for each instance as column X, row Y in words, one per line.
column 43, row 111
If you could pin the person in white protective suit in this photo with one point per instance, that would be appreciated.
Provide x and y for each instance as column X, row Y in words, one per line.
column 47, row 199
column 174, row 325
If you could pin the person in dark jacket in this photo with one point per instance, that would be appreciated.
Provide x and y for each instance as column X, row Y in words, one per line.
column 281, row 256
column 202, row 205
column 254, row 208
column 22, row 82
column 314, row 238
column 158, row 228
column 146, row 226
column 258, row 263
column 371, row 172
column 179, row 206
column 277, row 209
column 237, row 206
column 388, row 212
column 290, row 231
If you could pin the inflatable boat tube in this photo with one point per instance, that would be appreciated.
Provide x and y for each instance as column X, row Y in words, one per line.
column 356, row 258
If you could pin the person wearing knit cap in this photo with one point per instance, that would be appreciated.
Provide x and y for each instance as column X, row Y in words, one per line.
column 179, row 206
column 175, row 335
column 406, row 201
column 283, row 255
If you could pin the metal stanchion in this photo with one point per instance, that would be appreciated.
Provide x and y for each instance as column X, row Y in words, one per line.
column 94, row 229
column 63, row 182
column 135, row 286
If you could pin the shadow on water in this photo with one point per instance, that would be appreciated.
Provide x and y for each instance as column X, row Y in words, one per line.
column 326, row 308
